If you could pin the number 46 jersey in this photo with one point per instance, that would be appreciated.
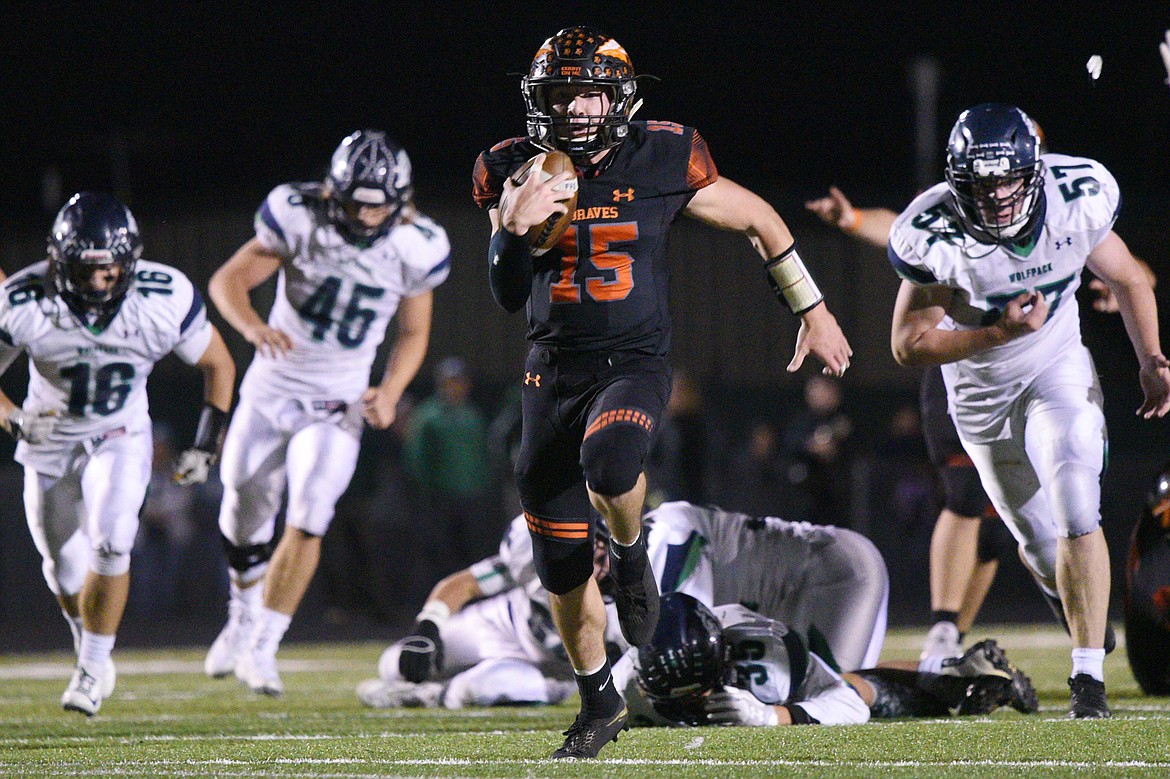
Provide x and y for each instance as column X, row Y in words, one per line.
column 929, row 246
column 335, row 299
column 96, row 380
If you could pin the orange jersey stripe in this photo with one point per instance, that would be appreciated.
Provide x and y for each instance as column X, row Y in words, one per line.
column 701, row 169
column 608, row 418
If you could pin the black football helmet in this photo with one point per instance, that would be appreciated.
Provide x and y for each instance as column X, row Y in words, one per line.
column 992, row 145
column 367, row 169
column 684, row 661
column 93, row 230
column 579, row 56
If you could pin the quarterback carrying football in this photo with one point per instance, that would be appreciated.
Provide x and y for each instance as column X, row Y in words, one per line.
column 597, row 377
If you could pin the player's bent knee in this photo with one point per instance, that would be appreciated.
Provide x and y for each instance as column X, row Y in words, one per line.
column 995, row 541
column 964, row 495
column 109, row 561
column 612, row 458
column 562, row 565
column 246, row 559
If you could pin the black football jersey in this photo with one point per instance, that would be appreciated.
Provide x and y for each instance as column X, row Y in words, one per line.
column 606, row 284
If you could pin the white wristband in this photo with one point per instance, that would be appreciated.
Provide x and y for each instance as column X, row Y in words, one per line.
column 792, row 281
column 436, row 611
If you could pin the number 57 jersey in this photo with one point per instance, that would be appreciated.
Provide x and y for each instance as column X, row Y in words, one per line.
column 96, row 379
column 928, row 246
column 335, row 299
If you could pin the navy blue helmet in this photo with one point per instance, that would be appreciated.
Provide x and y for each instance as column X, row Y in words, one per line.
column 367, row 169
column 93, row 230
column 579, row 56
column 684, row 661
column 995, row 173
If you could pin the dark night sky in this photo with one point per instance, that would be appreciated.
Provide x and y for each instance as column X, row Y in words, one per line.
column 215, row 104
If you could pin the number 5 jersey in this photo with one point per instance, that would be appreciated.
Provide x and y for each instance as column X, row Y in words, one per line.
column 606, row 284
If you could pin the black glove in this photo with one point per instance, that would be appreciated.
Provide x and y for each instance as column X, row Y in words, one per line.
column 422, row 652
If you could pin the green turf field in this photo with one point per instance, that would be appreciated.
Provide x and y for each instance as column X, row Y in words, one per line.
column 167, row 719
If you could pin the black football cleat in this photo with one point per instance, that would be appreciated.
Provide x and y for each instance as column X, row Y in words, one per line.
column 1023, row 695
column 985, row 694
column 636, row 599
column 1087, row 698
column 585, row 738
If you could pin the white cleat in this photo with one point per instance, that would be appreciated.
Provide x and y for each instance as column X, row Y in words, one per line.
column 394, row 695
column 942, row 641
column 83, row 694
column 229, row 645
column 108, row 679
column 258, row 672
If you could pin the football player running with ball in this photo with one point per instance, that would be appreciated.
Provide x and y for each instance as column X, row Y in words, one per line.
column 596, row 379
column 990, row 261
column 349, row 253
column 94, row 319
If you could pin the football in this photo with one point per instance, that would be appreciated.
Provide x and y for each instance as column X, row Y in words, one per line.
column 542, row 237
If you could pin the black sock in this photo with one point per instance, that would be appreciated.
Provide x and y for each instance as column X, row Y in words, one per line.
column 944, row 616
column 628, row 562
column 599, row 696
column 899, row 693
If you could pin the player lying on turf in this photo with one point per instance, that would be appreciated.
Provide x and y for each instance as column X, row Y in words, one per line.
column 732, row 666
column 492, row 651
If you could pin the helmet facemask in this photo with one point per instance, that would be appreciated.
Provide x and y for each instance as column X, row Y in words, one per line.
column 685, row 660
column 586, row 60
column 995, row 173
column 368, row 171
column 93, row 231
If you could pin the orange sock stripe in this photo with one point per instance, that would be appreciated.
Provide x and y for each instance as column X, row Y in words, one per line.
column 630, row 415
column 573, row 531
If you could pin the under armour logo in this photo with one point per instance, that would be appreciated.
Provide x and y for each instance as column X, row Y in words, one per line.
column 1066, row 242
column 619, row 196
column 530, row 379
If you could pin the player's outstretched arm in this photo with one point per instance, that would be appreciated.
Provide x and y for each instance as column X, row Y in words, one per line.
column 247, row 269
column 871, row 225
column 729, row 206
column 380, row 403
column 1112, row 262
column 219, row 379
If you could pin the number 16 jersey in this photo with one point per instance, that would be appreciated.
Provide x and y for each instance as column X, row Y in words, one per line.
column 335, row 299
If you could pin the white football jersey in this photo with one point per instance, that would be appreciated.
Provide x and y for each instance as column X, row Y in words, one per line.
column 335, row 299
column 720, row 557
column 96, row 381
column 928, row 246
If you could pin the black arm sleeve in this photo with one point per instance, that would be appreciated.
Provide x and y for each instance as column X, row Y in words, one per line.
column 509, row 270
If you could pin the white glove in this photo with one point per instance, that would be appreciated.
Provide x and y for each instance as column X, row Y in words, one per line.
column 193, row 467
column 1165, row 49
column 733, row 706
column 34, row 427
